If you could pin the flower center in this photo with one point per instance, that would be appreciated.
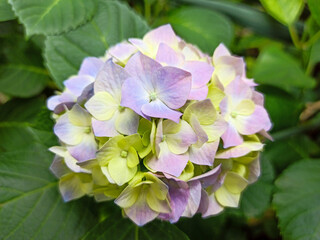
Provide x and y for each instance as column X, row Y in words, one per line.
column 87, row 130
column 164, row 138
column 124, row 154
column 121, row 109
column 233, row 115
column 152, row 96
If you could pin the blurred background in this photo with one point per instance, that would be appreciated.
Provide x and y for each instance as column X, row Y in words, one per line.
column 280, row 41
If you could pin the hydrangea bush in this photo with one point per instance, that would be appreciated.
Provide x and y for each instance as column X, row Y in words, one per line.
column 159, row 127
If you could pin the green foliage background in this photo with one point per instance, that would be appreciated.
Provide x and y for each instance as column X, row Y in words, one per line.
column 44, row 42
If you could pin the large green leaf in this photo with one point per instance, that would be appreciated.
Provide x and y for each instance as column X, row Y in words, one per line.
column 245, row 15
column 52, row 16
column 114, row 227
column 22, row 80
column 192, row 25
column 277, row 68
column 297, row 201
column 314, row 7
column 285, row 11
column 21, row 110
column 314, row 55
column 6, row 12
column 30, row 204
column 112, row 23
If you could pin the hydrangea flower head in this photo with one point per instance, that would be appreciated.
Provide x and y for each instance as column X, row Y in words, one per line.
column 161, row 128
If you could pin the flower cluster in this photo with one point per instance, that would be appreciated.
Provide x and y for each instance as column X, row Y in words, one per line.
column 159, row 127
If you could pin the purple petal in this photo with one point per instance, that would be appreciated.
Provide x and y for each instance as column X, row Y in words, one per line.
column 179, row 197
column 122, row 51
column 209, row 178
column 168, row 56
column 172, row 86
column 110, row 79
column 77, row 84
column 143, row 68
column 90, row 66
column 240, row 150
column 85, row 150
column 158, row 109
column 237, row 90
column 209, row 205
column 105, row 128
column 134, row 95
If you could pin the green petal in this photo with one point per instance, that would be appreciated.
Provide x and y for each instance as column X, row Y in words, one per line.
column 203, row 110
column 102, row 106
column 119, row 170
column 226, row 198
column 144, row 126
column 132, row 158
column 156, row 204
column 216, row 95
column 128, row 196
column 79, row 117
column 109, row 150
column 188, row 172
column 131, row 141
column 245, row 107
column 235, row 183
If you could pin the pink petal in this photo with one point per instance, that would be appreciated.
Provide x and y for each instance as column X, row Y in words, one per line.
column 194, row 199
column 198, row 93
column 201, row 72
column 162, row 34
column 205, row 154
column 254, row 123
column 168, row 162
column 220, row 51
column 122, row 51
column 231, row 137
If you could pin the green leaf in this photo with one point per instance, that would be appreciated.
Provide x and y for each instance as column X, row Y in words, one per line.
column 285, row 11
column 122, row 229
column 314, row 7
column 277, row 68
column 246, row 16
column 283, row 109
column 192, row 25
column 21, row 110
column 6, row 12
column 52, row 16
column 297, row 201
column 113, row 23
column 30, row 205
column 22, row 80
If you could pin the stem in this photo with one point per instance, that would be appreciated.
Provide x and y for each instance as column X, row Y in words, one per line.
column 136, row 233
column 283, row 134
column 312, row 40
column 294, row 36
column 147, row 10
